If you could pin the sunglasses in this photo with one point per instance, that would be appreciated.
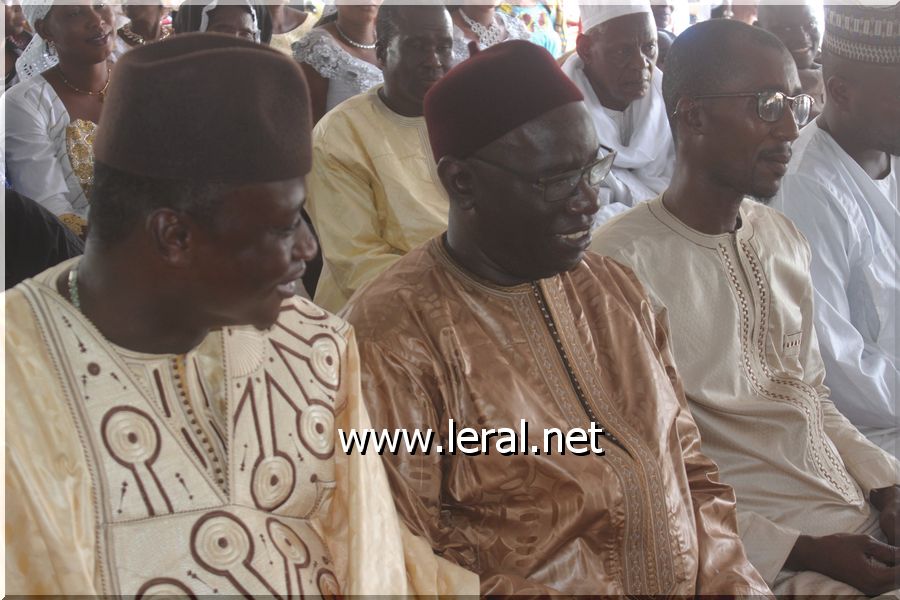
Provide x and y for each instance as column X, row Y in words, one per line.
column 770, row 105
column 561, row 187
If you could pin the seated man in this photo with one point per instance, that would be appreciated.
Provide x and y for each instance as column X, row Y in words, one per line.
column 505, row 318
column 615, row 69
column 171, row 409
column 841, row 190
column 374, row 192
column 816, row 499
column 796, row 26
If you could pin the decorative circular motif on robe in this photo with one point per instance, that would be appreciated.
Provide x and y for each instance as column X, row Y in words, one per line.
column 220, row 542
column 246, row 351
column 328, row 584
column 130, row 435
column 316, row 429
column 326, row 361
column 273, row 481
column 164, row 587
column 288, row 543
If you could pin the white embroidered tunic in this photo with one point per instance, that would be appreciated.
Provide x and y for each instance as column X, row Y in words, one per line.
column 741, row 317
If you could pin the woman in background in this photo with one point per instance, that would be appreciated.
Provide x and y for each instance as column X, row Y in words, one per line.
column 144, row 27
column 17, row 38
column 52, row 114
column 484, row 24
column 338, row 56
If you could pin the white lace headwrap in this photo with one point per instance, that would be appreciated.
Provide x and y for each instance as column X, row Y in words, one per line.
column 36, row 58
column 204, row 16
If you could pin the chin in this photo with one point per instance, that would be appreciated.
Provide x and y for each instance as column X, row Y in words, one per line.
column 764, row 195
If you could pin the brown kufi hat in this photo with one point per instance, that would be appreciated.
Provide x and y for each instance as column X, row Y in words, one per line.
column 869, row 34
column 492, row 93
column 206, row 107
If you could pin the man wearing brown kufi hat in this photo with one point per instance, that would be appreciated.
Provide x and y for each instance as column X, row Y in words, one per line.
column 505, row 318
column 172, row 407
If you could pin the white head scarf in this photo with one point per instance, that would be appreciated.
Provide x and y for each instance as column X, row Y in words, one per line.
column 595, row 14
column 37, row 57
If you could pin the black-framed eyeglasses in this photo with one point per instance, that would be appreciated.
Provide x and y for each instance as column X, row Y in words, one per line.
column 561, row 187
column 770, row 105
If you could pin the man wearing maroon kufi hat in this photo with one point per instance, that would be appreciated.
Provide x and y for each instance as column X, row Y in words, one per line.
column 504, row 324
column 171, row 405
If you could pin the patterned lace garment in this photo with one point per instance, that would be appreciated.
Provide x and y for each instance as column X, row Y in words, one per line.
column 320, row 51
column 515, row 30
column 80, row 150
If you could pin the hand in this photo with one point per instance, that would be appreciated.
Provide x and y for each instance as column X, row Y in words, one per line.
column 887, row 501
column 862, row 561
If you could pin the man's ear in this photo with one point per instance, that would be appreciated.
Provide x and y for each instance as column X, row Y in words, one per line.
column 689, row 117
column 173, row 236
column 838, row 91
column 458, row 180
column 583, row 46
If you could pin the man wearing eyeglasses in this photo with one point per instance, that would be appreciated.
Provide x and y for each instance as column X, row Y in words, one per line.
column 505, row 319
column 842, row 191
column 615, row 69
column 816, row 510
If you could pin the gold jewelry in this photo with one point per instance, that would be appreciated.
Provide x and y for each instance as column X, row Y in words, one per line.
column 101, row 93
column 136, row 39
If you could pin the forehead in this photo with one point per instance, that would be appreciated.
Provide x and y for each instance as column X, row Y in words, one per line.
column 262, row 203
column 558, row 140
column 424, row 20
column 763, row 68
column 626, row 29
column 230, row 14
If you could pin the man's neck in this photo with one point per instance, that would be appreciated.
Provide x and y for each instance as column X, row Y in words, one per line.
column 401, row 108
column 128, row 310
column 875, row 163
column 701, row 204
column 470, row 257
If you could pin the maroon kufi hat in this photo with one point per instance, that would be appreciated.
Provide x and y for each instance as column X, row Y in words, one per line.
column 206, row 107
column 492, row 93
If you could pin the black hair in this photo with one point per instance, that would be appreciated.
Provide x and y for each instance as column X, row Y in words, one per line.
column 708, row 55
column 387, row 24
column 120, row 200
column 387, row 27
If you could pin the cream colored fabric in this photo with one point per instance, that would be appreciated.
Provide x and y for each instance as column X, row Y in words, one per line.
column 215, row 472
column 374, row 193
column 741, row 312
